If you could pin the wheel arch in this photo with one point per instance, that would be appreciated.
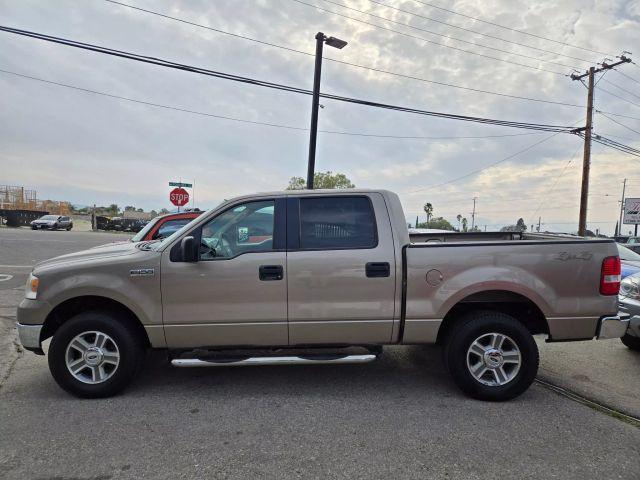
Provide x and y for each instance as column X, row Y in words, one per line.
column 512, row 303
column 75, row 305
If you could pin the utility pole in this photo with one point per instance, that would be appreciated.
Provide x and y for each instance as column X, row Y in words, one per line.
column 539, row 220
column 624, row 187
column 586, row 159
column 473, row 214
column 321, row 39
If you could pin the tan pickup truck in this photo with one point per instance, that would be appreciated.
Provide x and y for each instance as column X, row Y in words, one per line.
column 309, row 277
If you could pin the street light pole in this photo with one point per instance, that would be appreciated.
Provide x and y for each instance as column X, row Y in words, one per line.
column 315, row 103
column 321, row 39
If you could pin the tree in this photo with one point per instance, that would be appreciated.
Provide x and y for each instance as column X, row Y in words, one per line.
column 113, row 208
column 438, row 223
column 164, row 211
column 459, row 218
column 322, row 180
column 428, row 209
column 518, row 227
column 464, row 224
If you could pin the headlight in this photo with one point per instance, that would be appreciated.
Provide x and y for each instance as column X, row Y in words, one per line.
column 630, row 287
column 31, row 289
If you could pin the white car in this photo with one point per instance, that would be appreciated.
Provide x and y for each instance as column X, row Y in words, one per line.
column 630, row 303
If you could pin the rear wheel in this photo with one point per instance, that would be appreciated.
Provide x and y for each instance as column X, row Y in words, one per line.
column 631, row 342
column 95, row 355
column 491, row 356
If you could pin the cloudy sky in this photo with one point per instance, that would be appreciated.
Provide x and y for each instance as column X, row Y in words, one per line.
column 86, row 148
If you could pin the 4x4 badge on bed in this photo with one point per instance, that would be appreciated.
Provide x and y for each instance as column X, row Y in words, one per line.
column 141, row 272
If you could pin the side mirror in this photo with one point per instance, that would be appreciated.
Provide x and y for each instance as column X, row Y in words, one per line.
column 189, row 249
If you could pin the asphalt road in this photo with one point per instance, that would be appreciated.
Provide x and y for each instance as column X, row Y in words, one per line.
column 399, row 417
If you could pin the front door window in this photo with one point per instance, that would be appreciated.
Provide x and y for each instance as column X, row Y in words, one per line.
column 242, row 229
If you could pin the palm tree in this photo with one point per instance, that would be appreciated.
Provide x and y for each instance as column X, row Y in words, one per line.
column 459, row 217
column 428, row 209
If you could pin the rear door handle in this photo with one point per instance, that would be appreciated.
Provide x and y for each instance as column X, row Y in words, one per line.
column 378, row 269
column 270, row 272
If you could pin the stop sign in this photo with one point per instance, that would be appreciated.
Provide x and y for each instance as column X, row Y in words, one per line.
column 179, row 196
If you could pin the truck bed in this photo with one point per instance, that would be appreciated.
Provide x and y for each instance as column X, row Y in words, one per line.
column 558, row 275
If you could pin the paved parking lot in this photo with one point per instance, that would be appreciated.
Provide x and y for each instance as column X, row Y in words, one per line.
column 399, row 417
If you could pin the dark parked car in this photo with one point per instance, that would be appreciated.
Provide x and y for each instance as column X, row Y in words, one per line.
column 52, row 222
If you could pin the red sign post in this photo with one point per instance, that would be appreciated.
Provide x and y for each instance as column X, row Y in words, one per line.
column 179, row 197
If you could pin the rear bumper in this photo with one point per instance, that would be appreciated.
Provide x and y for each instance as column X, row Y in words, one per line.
column 613, row 327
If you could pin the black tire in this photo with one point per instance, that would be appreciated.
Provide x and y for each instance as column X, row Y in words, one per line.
column 69, row 228
column 129, row 344
column 54, row 226
column 631, row 342
column 471, row 327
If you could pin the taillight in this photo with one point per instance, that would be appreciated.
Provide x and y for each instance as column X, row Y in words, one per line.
column 610, row 276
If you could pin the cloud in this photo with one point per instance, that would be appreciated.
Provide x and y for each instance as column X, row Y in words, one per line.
column 75, row 146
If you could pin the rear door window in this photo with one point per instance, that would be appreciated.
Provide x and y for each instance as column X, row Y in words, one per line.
column 337, row 222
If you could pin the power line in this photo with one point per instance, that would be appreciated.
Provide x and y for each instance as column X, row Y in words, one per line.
column 618, row 115
column 235, row 119
column 425, row 39
column 217, row 30
column 620, row 88
column 278, row 86
column 475, row 32
column 618, row 96
column 491, row 165
column 615, row 145
column 555, row 183
column 373, row 69
column 619, row 123
column 443, row 35
column 429, row 4
column 627, row 76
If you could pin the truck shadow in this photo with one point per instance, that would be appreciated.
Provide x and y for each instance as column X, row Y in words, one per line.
column 399, row 369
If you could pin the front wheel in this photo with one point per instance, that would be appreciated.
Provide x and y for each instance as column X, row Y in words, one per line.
column 631, row 342
column 95, row 355
column 69, row 228
column 491, row 356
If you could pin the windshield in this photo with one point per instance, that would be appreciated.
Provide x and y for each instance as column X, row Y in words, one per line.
column 140, row 235
column 628, row 255
column 49, row 217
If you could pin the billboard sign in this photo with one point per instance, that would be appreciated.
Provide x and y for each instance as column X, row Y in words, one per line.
column 631, row 211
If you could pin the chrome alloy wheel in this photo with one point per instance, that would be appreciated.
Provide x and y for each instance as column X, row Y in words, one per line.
column 494, row 359
column 92, row 357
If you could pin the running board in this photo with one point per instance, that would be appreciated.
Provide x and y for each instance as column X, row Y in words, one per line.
column 292, row 360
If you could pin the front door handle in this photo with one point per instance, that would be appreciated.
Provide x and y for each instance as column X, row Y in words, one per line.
column 378, row 269
column 270, row 272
